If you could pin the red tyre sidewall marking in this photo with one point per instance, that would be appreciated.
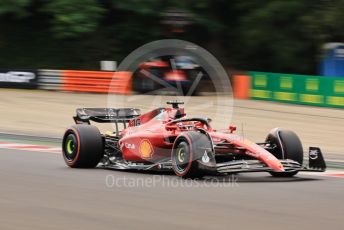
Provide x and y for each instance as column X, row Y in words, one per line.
column 72, row 162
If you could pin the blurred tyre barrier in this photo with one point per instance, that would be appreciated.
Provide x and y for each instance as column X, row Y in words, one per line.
column 297, row 89
column 49, row 79
column 22, row 79
column 96, row 81
column 86, row 81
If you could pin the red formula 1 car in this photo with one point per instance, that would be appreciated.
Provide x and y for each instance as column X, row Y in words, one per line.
column 166, row 139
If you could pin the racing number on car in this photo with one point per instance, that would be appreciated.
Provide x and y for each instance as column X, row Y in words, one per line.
column 136, row 122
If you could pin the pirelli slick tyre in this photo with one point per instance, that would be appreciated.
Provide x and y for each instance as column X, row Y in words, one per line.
column 82, row 146
column 288, row 146
column 187, row 153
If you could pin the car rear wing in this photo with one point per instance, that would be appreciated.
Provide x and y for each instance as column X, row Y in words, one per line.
column 106, row 115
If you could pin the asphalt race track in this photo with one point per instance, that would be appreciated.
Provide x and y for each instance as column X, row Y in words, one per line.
column 39, row 192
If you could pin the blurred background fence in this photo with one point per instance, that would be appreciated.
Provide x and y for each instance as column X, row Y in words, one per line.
column 85, row 81
column 291, row 88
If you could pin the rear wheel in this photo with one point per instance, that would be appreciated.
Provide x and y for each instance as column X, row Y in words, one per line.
column 82, row 146
column 288, row 146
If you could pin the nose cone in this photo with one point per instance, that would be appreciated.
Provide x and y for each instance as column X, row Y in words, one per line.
column 269, row 159
column 255, row 151
column 276, row 165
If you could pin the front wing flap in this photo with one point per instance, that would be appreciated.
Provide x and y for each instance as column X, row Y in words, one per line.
column 316, row 163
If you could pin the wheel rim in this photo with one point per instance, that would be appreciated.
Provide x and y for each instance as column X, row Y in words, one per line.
column 70, row 147
column 181, row 155
column 181, row 158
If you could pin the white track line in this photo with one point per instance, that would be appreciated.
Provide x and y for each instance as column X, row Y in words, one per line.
column 29, row 147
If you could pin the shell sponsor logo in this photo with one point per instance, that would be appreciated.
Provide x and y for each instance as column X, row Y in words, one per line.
column 146, row 149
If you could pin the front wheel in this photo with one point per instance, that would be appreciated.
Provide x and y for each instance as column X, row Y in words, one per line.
column 287, row 146
column 82, row 146
column 192, row 155
column 183, row 163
